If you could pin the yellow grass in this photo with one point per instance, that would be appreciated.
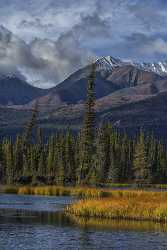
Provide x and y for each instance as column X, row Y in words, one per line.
column 133, row 205
column 105, row 203
column 63, row 191
column 133, row 225
column 9, row 189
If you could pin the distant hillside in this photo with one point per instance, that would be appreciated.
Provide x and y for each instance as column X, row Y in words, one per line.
column 127, row 94
column 109, row 79
column 14, row 91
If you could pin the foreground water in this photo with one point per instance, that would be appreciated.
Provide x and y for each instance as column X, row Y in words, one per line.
column 38, row 223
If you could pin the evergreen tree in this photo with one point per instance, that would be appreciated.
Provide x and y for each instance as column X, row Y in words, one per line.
column 69, row 158
column 142, row 171
column 28, row 135
column 50, row 158
column 161, row 171
column 60, row 171
column 18, row 157
column 42, row 165
column 103, row 152
column 87, row 166
column 8, row 152
column 115, row 164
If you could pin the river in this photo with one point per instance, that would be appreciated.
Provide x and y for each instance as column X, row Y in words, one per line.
column 38, row 223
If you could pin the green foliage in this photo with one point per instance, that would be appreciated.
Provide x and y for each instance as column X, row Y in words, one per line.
column 141, row 164
column 87, row 163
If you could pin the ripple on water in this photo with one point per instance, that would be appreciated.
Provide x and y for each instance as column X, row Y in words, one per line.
column 31, row 223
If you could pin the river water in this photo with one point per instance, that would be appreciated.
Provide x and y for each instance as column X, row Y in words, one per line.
column 38, row 223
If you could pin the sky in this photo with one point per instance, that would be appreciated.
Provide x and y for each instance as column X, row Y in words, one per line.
column 44, row 41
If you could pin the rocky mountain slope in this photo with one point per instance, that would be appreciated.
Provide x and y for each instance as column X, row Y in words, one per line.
column 128, row 94
column 114, row 78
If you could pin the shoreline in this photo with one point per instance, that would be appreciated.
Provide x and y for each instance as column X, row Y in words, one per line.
column 123, row 205
column 98, row 203
column 101, row 190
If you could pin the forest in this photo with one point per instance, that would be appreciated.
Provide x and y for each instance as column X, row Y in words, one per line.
column 96, row 155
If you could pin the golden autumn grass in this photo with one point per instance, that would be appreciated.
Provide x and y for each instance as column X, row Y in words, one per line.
column 105, row 203
column 79, row 191
column 82, row 192
column 132, row 225
column 129, row 205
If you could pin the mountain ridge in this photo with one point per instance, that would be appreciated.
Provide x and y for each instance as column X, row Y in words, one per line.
column 16, row 91
column 110, row 62
column 125, row 95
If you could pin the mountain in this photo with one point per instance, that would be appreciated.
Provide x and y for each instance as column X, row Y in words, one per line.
column 113, row 76
column 126, row 113
column 108, row 63
column 128, row 94
column 15, row 91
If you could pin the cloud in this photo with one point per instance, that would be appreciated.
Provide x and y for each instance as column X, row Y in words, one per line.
column 50, row 39
column 43, row 18
column 142, row 47
column 152, row 16
column 57, row 60
column 149, row 47
column 43, row 62
column 46, row 62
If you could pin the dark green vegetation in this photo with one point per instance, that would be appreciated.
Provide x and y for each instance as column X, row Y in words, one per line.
column 92, row 156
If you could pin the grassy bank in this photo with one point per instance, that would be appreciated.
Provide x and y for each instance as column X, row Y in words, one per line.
column 104, row 203
column 81, row 192
column 117, row 225
column 129, row 205
column 63, row 191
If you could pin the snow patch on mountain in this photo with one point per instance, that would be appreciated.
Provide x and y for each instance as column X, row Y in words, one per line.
column 106, row 64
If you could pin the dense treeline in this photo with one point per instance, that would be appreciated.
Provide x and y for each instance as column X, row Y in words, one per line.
column 115, row 159
column 93, row 156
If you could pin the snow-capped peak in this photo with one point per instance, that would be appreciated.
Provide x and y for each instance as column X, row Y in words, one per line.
column 158, row 68
column 106, row 64
column 108, row 60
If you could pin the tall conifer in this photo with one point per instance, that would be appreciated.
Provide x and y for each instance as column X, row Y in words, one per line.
column 87, row 166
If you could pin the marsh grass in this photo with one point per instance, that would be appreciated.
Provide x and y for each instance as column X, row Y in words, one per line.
column 104, row 203
column 130, row 225
column 129, row 205
column 81, row 192
column 9, row 189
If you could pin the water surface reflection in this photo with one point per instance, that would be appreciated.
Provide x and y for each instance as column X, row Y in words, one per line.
column 38, row 223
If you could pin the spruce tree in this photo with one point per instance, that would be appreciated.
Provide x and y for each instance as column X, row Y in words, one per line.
column 103, row 152
column 69, row 157
column 60, row 170
column 115, row 162
column 142, row 171
column 8, row 150
column 50, row 158
column 87, row 166
column 28, row 139
column 28, row 135
column 18, row 157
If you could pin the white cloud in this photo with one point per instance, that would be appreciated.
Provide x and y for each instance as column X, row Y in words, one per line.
column 43, row 62
column 52, row 38
column 157, row 46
